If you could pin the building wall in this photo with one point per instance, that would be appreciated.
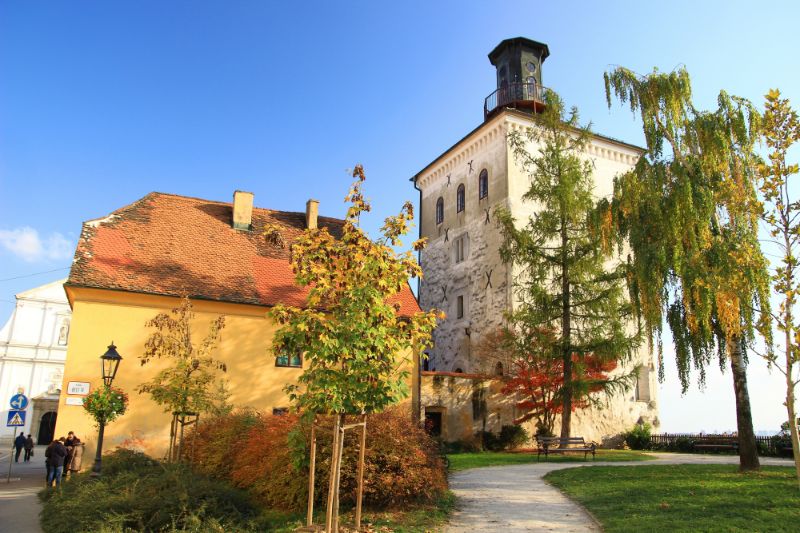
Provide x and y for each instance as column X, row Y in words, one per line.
column 33, row 346
column 100, row 317
column 481, row 279
column 469, row 403
column 458, row 341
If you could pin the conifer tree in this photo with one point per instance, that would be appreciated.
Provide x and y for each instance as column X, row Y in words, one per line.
column 689, row 213
column 562, row 280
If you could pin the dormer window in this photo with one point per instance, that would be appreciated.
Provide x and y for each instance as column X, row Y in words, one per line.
column 440, row 210
column 460, row 199
column 483, row 184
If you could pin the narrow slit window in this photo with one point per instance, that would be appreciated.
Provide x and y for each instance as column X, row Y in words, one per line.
column 460, row 198
column 460, row 307
column 440, row 210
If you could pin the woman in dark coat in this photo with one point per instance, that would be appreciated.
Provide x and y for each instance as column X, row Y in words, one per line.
column 28, row 448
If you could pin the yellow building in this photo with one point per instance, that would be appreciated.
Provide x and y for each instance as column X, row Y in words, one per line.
column 139, row 261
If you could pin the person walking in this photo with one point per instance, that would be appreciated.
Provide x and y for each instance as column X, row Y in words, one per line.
column 28, row 448
column 56, row 453
column 19, row 444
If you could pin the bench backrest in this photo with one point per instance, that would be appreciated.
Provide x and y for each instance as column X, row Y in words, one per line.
column 550, row 441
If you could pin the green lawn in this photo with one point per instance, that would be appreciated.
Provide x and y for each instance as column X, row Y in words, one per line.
column 415, row 519
column 463, row 461
column 685, row 497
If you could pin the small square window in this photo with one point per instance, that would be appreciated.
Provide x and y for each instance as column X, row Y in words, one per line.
column 293, row 360
column 280, row 411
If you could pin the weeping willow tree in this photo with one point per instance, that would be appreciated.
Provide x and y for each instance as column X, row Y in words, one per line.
column 689, row 214
column 565, row 283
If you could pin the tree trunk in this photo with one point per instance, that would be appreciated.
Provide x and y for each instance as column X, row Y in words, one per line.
column 566, row 330
column 790, row 404
column 748, row 452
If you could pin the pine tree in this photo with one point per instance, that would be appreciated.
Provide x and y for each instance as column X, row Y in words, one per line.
column 562, row 280
column 689, row 213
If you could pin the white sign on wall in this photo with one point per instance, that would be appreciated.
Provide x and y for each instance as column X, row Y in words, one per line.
column 79, row 388
column 74, row 401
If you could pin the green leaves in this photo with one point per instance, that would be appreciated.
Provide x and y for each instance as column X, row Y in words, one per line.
column 354, row 340
column 689, row 213
column 566, row 283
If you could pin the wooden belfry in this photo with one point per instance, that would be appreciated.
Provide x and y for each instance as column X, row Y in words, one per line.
column 337, row 448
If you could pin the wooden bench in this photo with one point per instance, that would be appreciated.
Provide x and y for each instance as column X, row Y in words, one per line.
column 716, row 443
column 548, row 445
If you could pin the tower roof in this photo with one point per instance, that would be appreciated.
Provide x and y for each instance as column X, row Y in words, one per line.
column 507, row 43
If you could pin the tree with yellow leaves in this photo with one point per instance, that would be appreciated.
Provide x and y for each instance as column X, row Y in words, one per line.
column 689, row 213
column 356, row 345
column 781, row 129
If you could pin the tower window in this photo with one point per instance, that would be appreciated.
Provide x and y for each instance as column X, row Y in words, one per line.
column 461, row 246
column 440, row 210
column 498, row 369
column 460, row 307
column 460, row 198
column 483, row 184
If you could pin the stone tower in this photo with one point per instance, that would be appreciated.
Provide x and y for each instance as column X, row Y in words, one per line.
column 459, row 192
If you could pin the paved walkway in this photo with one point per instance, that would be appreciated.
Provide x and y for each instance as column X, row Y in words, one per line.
column 19, row 505
column 515, row 498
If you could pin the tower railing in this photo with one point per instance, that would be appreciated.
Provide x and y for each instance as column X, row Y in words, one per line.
column 516, row 94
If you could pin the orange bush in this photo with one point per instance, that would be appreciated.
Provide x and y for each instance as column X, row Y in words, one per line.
column 270, row 460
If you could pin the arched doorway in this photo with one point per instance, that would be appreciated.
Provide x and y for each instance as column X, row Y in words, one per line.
column 47, row 428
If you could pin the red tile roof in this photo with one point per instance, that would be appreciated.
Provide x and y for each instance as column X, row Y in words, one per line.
column 172, row 245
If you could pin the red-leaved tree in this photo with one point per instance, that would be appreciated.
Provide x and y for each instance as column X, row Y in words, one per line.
column 536, row 370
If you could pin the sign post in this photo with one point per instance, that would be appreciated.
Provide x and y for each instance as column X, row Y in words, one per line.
column 16, row 418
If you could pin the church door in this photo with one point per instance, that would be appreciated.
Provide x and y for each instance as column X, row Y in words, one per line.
column 47, row 428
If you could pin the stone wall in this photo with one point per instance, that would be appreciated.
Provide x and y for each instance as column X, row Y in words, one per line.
column 468, row 403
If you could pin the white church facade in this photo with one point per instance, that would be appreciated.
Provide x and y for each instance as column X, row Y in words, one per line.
column 33, row 348
column 464, row 274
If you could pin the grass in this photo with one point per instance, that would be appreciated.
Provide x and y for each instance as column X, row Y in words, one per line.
column 684, row 497
column 463, row 461
column 416, row 519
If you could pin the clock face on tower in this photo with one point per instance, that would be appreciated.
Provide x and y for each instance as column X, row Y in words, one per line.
column 531, row 66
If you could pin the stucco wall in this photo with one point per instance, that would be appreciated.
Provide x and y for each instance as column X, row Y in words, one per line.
column 102, row 316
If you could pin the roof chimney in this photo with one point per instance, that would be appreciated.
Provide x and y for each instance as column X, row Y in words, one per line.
column 242, row 210
column 312, row 210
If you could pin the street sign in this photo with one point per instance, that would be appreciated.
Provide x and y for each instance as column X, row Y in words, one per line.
column 16, row 419
column 80, row 388
column 19, row 401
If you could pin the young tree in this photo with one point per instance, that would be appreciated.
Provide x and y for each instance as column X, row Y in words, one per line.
column 689, row 214
column 189, row 385
column 781, row 129
column 562, row 281
column 355, row 344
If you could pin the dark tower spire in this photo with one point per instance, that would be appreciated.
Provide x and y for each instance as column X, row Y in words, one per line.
column 519, row 75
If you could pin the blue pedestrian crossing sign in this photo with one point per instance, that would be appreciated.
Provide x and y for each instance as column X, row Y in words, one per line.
column 19, row 402
column 15, row 419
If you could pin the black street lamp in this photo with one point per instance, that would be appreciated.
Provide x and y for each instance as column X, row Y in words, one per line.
column 110, row 362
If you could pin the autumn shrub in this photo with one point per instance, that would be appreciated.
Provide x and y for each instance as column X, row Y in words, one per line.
column 218, row 440
column 402, row 463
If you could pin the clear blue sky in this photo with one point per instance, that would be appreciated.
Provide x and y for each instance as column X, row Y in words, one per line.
column 102, row 102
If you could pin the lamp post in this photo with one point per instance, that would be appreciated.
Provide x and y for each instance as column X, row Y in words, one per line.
column 110, row 362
